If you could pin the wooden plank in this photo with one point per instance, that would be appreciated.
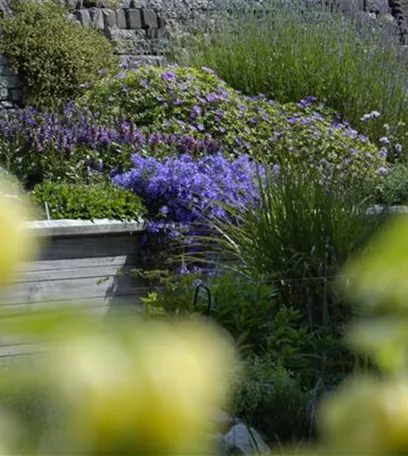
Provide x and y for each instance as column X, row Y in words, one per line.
column 75, row 273
column 88, row 247
column 51, row 265
column 66, row 228
column 58, row 290
column 101, row 305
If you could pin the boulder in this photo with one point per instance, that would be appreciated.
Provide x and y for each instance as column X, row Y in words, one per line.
column 241, row 439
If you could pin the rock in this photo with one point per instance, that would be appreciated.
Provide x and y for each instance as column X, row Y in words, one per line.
column 150, row 19
column 121, row 18
column 97, row 18
column 109, row 18
column 83, row 17
column 241, row 439
column 378, row 6
column 134, row 19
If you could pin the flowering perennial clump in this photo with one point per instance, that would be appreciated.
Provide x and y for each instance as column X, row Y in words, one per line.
column 198, row 103
column 184, row 195
column 51, row 143
column 180, row 190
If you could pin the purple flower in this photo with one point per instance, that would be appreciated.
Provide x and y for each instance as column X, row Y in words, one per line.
column 383, row 152
column 168, row 76
column 211, row 97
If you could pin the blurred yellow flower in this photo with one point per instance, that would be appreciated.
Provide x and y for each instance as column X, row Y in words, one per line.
column 376, row 278
column 149, row 390
column 367, row 416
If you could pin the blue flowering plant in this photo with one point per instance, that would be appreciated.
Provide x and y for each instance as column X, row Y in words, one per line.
column 183, row 194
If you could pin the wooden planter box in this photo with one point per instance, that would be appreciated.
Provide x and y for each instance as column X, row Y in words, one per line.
column 86, row 262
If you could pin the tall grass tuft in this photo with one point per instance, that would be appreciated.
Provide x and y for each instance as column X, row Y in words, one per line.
column 298, row 238
column 291, row 51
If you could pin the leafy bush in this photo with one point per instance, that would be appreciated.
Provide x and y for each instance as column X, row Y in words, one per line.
column 353, row 62
column 198, row 103
column 75, row 201
column 56, row 56
column 271, row 399
column 244, row 308
column 393, row 189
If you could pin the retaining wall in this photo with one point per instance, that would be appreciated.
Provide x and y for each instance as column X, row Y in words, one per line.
column 141, row 29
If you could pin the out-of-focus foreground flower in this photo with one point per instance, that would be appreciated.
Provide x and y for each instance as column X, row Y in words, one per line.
column 105, row 386
column 368, row 414
column 138, row 387
column 146, row 388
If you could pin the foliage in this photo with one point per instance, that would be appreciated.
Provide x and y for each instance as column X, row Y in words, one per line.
column 258, row 322
column 298, row 238
column 17, row 244
column 244, row 308
column 367, row 414
column 393, row 190
column 198, row 103
column 80, row 201
column 55, row 56
column 354, row 63
column 101, row 386
column 271, row 399
column 181, row 193
column 349, row 422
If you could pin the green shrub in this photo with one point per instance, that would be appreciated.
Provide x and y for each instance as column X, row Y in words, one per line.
column 79, row 201
column 394, row 187
column 271, row 399
column 196, row 102
column 56, row 56
column 244, row 308
column 354, row 63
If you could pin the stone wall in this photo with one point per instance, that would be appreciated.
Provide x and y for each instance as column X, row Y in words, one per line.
column 141, row 29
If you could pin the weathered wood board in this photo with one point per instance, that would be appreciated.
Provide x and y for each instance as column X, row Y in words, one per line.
column 90, row 268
